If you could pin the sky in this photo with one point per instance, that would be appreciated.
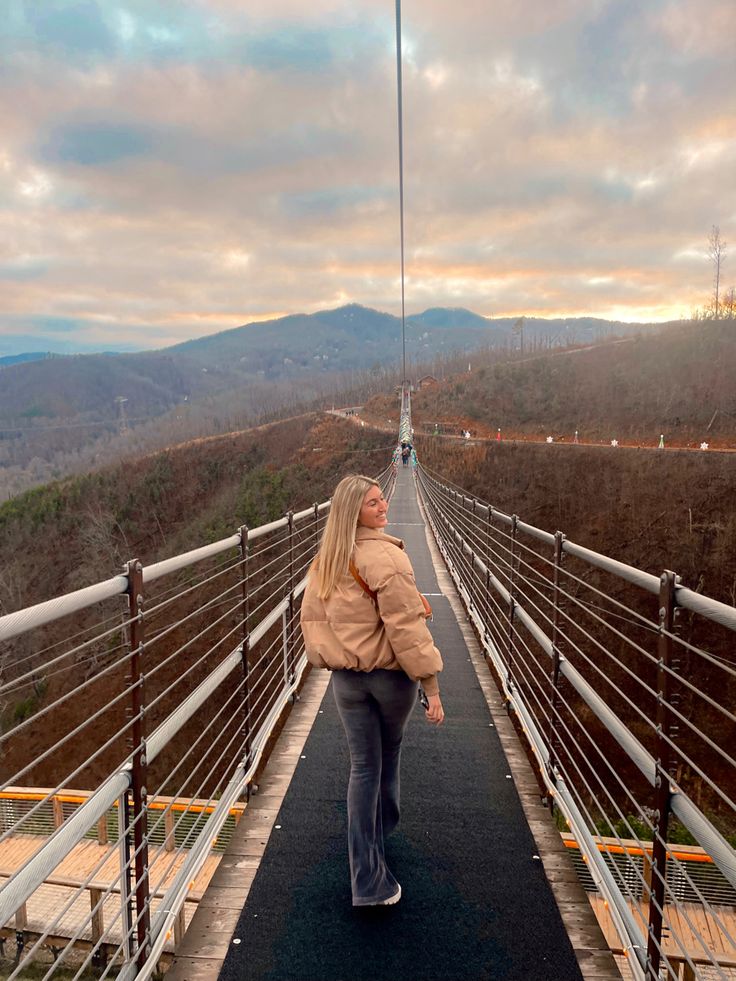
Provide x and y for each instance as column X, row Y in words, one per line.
column 173, row 168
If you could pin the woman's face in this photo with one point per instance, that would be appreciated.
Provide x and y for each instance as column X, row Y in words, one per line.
column 373, row 510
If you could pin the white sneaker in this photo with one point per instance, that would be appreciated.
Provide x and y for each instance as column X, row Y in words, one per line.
column 392, row 899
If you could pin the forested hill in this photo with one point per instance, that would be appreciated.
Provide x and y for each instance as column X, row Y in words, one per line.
column 653, row 510
column 71, row 533
column 679, row 384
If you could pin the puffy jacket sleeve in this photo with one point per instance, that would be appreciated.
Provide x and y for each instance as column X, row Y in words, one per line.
column 313, row 621
column 402, row 612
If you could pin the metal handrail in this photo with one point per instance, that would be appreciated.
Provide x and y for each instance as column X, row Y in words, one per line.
column 522, row 627
column 253, row 597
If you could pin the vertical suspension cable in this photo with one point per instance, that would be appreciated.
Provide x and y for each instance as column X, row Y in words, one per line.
column 401, row 188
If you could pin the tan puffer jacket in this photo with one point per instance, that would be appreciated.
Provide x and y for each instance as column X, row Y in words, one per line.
column 347, row 631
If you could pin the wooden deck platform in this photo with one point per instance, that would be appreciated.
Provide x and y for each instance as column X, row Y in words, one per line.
column 100, row 865
column 681, row 923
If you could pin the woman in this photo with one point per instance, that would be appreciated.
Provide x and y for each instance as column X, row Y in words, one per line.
column 363, row 618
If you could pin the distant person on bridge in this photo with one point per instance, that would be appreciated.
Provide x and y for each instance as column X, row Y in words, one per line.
column 363, row 619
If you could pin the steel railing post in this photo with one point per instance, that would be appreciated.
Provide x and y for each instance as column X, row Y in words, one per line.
column 126, row 891
column 662, row 793
column 289, row 673
column 471, row 570
column 139, row 769
column 554, row 699
column 512, row 598
column 244, row 616
column 489, row 561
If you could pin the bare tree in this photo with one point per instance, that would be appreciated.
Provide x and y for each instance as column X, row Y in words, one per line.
column 729, row 304
column 717, row 255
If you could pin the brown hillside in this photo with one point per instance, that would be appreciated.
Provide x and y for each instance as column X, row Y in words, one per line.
column 73, row 533
column 650, row 509
column 679, row 384
column 169, row 502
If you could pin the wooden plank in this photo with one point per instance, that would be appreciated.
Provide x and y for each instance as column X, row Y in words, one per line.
column 170, row 839
column 102, row 837
column 58, row 811
column 97, row 910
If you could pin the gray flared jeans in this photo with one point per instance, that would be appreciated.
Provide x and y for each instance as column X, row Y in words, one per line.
column 374, row 707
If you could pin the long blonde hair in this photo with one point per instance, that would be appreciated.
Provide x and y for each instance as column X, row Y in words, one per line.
column 338, row 538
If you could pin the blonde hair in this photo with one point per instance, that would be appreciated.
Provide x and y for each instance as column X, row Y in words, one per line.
column 338, row 538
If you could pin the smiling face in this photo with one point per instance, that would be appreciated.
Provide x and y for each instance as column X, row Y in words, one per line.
column 373, row 510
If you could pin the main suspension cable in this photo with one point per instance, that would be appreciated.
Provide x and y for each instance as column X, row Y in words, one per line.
column 401, row 187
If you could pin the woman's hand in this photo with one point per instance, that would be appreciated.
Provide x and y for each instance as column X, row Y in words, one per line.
column 435, row 713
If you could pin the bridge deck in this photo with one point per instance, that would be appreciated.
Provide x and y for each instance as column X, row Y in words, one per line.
column 476, row 900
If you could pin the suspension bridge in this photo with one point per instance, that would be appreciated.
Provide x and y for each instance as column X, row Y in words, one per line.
column 589, row 725
column 173, row 775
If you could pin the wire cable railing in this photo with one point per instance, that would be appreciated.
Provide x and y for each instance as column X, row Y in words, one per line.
column 627, row 737
column 156, row 690
column 630, row 723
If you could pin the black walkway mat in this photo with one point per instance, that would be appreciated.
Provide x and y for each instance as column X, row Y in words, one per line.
column 475, row 904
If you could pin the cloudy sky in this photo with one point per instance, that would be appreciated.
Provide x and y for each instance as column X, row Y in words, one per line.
column 171, row 168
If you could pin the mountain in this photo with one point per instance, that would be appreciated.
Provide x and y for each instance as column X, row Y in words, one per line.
column 197, row 491
column 559, row 330
column 78, row 387
column 11, row 359
column 452, row 317
column 348, row 338
column 15, row 344
column 82, row 388
column 77, row 531
column 62, row 414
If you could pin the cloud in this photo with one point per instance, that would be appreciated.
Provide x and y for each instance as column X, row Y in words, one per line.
column 292, row 52
column 696, row 36
column 174, row 169
column 329, row 202
column 60, row 325
column 96, row 144
column 76, row 27
column 21, row 269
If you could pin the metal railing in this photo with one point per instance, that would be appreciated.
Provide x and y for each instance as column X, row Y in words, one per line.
column 623, row 684
column 158, row 690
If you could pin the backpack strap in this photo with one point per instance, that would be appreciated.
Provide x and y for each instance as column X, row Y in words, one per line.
column 374, row 595
column 362, row 583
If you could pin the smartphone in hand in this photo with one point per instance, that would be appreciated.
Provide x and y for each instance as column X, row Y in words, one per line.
column 423, row 698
